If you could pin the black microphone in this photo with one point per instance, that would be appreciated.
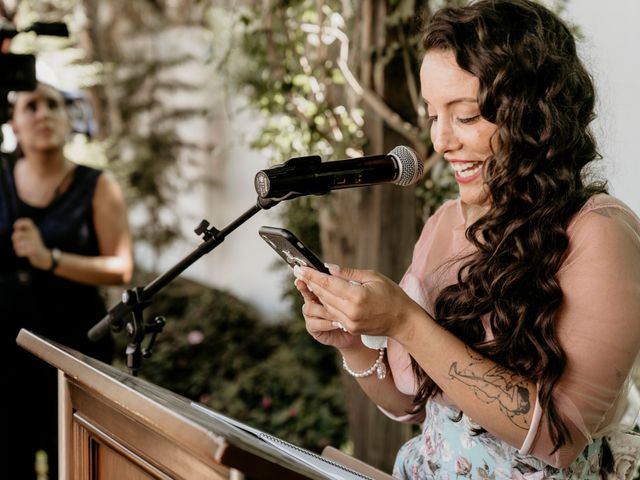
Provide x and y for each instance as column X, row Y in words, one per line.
column 310, row 176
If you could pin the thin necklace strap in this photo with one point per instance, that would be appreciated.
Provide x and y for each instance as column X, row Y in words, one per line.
column 58, row 190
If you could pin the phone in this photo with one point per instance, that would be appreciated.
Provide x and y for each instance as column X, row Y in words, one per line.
column 290, row 248
column 294, row 252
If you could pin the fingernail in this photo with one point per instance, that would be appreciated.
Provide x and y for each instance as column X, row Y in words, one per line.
column 297, row 272
column 339, row 325
column 332, row 266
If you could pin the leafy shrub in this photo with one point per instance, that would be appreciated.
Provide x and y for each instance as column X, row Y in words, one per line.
column 214, row 349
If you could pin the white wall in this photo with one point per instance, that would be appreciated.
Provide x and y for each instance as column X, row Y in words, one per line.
column 611, row 50
column 223, row 189
column 243, row 263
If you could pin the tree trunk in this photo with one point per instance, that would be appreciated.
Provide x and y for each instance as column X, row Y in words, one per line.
column 370, row 228
column 91, row 40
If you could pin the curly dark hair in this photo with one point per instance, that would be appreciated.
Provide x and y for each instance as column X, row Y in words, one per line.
column 534, row 88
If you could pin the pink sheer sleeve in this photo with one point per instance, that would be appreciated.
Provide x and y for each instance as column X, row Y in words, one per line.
column 424, row 279
column 598, row 327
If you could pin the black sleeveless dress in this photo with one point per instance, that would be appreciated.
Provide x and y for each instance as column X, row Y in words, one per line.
column 49, row 305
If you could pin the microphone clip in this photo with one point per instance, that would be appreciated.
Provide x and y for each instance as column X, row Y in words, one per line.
column 292, row 167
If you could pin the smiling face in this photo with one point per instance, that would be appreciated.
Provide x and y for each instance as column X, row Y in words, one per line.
column 458, row 131
column 40, row 121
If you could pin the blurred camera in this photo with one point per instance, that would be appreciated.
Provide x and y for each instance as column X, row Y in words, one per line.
column 19, row 70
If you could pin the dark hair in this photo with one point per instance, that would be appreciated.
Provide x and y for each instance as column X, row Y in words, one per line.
column 12, row 96
column 535, row 89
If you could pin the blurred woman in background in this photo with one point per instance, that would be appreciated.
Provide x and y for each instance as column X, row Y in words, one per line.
column 63, row 233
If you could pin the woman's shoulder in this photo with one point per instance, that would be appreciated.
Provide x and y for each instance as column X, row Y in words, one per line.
column 87, row 171
column 605, row 222
column 603, row 201
column 87, row 177
column 101, row 180
column 604, row 209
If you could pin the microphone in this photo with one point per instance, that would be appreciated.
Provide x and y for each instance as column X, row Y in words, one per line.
column 310, row 176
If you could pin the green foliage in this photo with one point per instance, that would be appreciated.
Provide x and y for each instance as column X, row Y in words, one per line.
column 146, row 149
column 287, row 398
column 292, row 76
column 215, row 350
column 438, row 186
column 291, row 79
column 146, row 179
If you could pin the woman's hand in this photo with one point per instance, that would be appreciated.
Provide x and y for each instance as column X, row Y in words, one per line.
column 319, row 322
column 28, row 243
column 363, row 301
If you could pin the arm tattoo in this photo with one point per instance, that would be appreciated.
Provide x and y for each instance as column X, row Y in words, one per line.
column 493, row 383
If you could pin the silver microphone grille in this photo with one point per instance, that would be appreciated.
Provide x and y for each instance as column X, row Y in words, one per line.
column 411, row 166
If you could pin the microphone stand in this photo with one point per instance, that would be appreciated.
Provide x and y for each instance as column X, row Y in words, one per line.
column 135, row 300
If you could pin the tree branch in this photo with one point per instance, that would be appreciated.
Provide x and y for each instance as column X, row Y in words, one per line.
column 393, row 119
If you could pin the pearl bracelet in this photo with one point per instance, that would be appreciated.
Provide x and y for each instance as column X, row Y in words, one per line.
column 378, row 367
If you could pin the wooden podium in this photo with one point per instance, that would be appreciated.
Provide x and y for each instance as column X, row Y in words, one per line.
column 114, row 426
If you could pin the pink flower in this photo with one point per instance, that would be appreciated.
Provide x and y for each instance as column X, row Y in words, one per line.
column 266, row 402
column 463, row 466
column 292, row 412
column 204, row 398
column 429, row 446
column 195, row 337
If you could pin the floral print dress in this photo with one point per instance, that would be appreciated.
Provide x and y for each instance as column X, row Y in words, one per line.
column 448, row 449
